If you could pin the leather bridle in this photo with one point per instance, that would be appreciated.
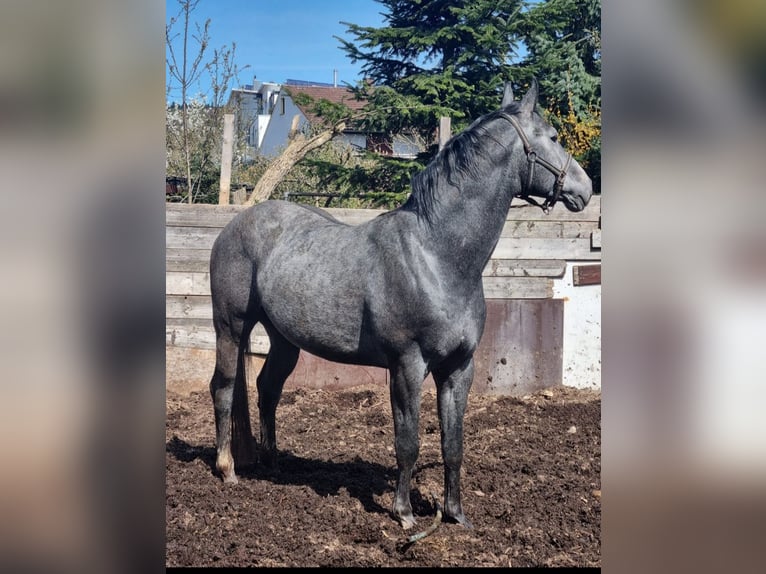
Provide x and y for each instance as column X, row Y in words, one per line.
column 534, row 159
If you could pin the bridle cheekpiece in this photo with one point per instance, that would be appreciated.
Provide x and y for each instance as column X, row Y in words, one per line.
column 533, row 159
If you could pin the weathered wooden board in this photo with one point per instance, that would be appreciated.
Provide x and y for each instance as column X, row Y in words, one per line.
column 185, row 333
column 200, row 334
column 573, row 249
column 179, row 283
column 557, row 229
column 188, row 307
column 518, row 287
column 186, row 287
column 200, row 214
column 190, row 260
column 525, row 268
column 182, row 237
column 198, row 261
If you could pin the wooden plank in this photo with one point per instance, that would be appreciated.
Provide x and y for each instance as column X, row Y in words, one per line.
column 188, row 307
column 184, row 283
column 189, row 260
column 586, row 275
column 200, row 334
column 545, row 248
column 183, row 291
column 518, row 287
column 192, row 307
column 525, row 268
column 202, row 324
column 200, row 214
column 198, row 261
column 554, row 229
column 197, row 336
column 190, row 237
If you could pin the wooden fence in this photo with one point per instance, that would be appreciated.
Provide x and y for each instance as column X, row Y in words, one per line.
column 521, row 349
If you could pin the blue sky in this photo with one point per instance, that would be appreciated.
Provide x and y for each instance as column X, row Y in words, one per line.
column 282, row 39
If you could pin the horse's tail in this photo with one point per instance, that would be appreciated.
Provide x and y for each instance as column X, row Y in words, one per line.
column 241, row 433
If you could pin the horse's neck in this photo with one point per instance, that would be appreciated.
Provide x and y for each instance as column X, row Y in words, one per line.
column 468, row 224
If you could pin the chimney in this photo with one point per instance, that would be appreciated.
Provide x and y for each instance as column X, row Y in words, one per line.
column 335, row 78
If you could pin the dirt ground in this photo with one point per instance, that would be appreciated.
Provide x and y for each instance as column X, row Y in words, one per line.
column 531, row 484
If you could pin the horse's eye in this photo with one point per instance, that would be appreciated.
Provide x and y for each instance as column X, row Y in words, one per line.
column 555, row 138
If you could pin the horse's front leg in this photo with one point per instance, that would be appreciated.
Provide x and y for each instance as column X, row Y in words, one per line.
column 452, row 396
column 406, row 382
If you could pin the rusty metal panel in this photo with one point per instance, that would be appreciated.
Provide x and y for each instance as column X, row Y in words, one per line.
column 312, row 372
column 521, row 350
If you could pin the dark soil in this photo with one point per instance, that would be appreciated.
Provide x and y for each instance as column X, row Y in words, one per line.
column 531, row 484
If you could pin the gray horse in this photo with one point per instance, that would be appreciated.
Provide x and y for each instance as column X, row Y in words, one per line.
column 402, row 291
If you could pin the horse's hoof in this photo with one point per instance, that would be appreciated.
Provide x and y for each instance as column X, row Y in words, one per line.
column 465, row 522
column 230, row 479
column 407, row 521
column 461, row 519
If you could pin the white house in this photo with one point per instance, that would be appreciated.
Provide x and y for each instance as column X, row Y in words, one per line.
column 266, row 111
column 255, row 103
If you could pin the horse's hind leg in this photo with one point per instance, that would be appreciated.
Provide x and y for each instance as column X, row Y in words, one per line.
column 228, row 389
column 280, row 362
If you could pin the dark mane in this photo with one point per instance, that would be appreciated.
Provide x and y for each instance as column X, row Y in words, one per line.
column 463, row 157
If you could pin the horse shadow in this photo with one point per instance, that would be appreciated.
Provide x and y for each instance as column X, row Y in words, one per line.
column 363, row 480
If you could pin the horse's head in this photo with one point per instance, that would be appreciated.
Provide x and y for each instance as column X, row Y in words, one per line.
column 551, row 172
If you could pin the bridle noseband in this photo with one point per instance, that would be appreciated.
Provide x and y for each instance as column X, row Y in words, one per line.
column 533, row 159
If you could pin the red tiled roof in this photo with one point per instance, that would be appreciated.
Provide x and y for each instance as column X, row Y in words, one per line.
column 334, row 95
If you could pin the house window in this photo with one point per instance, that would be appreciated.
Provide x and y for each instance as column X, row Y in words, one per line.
column 281, row 106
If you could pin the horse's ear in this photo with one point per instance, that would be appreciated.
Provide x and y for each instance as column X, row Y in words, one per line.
column 529, row 100
column 507, row 95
